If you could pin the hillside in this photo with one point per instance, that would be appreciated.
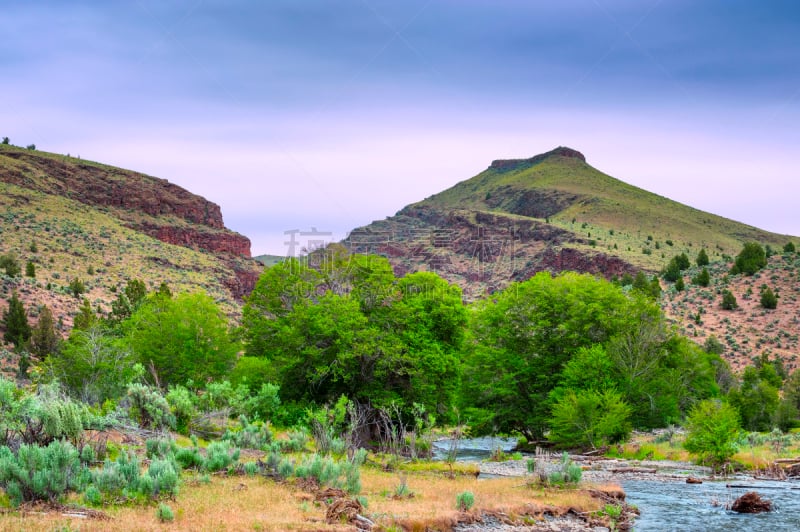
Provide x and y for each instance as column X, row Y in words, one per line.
column 750, row 330
column 550, row 212
column 76, row 219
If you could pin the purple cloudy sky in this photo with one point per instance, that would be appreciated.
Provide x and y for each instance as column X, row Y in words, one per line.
column 294, row 114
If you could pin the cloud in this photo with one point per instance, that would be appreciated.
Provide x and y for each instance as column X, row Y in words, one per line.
column 334, row 113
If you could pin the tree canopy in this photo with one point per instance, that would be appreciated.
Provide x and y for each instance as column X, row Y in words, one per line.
column 348, row 326
column 181, row 338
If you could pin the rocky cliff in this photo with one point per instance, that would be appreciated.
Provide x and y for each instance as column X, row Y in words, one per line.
column 146, row 204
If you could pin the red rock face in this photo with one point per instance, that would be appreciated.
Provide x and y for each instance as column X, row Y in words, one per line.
column 95, row 184
column 147, row 204
column 227, row 242
column 483, row 252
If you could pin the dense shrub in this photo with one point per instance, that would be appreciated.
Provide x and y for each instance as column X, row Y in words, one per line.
column 149, row 407
column 250, row 435
column 465, row 500
column 37, row 473
column 729, row 300
column 768, row 298
column 712, row 431
column 752, row 258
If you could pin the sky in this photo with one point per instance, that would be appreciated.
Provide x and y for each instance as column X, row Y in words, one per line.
column 324, row 115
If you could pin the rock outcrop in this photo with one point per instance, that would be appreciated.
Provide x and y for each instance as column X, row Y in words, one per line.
column 146, row 204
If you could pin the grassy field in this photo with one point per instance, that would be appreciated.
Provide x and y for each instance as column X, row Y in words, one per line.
column 257, row 503
column 757, row 451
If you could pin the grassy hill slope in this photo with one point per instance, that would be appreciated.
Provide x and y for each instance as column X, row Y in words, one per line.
column 74, row 219
column 550, row 212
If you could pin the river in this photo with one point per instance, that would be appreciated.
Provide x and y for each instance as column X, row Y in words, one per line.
column 674, row 505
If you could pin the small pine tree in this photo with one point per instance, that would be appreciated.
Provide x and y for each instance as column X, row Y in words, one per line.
column 702, row 279
column 18, row 331
column 85, row 317
column 76, row 287
column 713, row 346
column 44, row 340
column 683, row 261
column 702, row 258
column 768, row 298
column 30, row 270
column 136, row 292
column 789, row 247
column 6, row 140
column 729, row 300
column 641, row 283
column 679, row 284
column 10, row 264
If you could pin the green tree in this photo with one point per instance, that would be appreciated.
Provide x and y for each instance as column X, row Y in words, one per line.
column 673, row 271
column 30, row 270
column 349, row 327
column 15, row 320
column 729, row 300
column 712, row 431
column 713, row 345
column 136, row 291
column 641, row 283
column 44, row 339
column 757, row 398
column 789, row 247
column 752, row 258
column 183, row 338
column 10, row 264
column 683, row 261
column 587, row 418
column 702, row 258
column 526, row 334
column 94, row 365
column 702, row 279
column 679, row 285
column 6, row 140
column 76, row 287
column 85, row 318
column 768, row 298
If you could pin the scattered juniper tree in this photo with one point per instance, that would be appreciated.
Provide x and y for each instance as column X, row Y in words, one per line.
column 768, row 298
column 44, row 340
column 702, row 258
column 702, row 279
column 729, row 300
column 30, row 270
column 679, row 284
column 15, row 319
column 752, row 258
column 10, row 264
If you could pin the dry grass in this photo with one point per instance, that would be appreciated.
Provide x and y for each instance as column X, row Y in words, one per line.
column 243, row 503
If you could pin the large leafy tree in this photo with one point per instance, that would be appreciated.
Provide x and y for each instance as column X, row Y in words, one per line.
column 340, row 324
column 757, row 398
column 182, row 338
column 525, row 335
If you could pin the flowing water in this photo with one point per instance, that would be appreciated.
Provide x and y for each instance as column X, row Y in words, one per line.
column 672, row 505
column 472, row 449
column 680, row 506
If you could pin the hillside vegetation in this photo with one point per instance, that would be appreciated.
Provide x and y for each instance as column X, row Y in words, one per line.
column 552, row 212
column 75, row 220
